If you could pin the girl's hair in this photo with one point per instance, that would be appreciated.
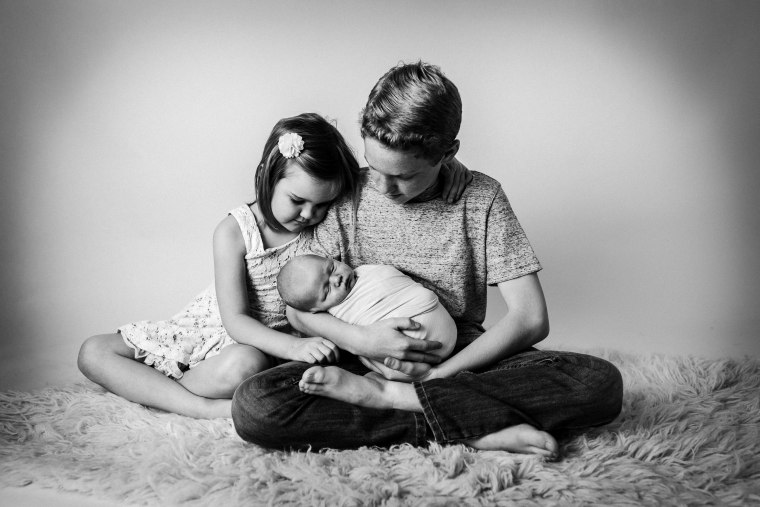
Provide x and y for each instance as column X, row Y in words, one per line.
column 414, row 107
column 325, row 156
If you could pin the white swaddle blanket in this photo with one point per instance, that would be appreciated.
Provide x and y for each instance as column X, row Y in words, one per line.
column 383, row 292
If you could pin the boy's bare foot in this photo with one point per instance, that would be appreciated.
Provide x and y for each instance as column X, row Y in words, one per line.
column 339, row 384
column 522, row 438
column 374, row 391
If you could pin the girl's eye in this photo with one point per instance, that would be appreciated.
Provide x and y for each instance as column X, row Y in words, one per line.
column 296, row 201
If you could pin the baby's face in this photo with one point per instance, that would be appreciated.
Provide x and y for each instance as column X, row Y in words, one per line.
column 327, row 281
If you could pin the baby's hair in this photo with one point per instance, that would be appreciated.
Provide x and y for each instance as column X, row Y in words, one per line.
column 414, row 107
column 325, row 156
column 290, row 290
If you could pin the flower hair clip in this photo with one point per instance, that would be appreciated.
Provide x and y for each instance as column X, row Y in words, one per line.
column 290, row 145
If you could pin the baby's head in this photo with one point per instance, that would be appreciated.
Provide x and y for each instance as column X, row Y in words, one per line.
column 311, row 283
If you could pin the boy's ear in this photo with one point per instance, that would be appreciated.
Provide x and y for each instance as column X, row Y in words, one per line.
column 449, row 154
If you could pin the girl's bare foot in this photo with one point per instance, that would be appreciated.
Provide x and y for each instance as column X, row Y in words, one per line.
column 522, row 438
column 370, row 390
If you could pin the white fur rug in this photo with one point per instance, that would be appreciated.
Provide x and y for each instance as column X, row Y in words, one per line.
column 689, row 434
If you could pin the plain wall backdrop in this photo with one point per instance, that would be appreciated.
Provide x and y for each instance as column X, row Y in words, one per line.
column 626, row 135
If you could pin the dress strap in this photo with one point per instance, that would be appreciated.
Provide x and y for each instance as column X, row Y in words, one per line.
column 247, row 222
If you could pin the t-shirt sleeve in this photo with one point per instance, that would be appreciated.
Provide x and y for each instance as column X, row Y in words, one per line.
column 509, row 254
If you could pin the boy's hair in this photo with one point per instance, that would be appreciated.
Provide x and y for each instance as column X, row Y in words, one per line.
column 414, row 107
column 325, row 156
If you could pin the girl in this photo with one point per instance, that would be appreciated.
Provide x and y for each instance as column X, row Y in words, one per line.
column 237, row 326
column 192, row 363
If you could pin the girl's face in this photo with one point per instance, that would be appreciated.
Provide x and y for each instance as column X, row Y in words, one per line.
column 299, row 200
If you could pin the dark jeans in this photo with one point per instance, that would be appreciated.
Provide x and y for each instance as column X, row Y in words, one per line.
column 551, row 391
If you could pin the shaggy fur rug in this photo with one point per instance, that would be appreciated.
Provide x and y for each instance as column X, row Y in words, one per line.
column 689, row 434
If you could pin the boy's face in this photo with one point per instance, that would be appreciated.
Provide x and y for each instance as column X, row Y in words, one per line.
column 326, row 281
column 399, row 175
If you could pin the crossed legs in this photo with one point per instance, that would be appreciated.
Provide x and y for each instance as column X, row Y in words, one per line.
column 204, row 391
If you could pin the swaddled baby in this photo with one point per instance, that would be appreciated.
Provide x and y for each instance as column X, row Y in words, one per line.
column 363, row 296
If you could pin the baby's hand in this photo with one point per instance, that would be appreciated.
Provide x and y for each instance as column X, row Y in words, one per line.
column 313, row 350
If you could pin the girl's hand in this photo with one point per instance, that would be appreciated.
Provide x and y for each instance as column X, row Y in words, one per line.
column 385, row 339
column 313, row 350
column 456, row 177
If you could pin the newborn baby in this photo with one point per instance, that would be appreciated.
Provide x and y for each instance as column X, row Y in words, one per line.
column 363, row 296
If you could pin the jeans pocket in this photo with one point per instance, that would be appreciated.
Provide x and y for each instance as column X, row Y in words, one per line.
column 528, row 359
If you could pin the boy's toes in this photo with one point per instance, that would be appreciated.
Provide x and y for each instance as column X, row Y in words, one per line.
column 314, row 375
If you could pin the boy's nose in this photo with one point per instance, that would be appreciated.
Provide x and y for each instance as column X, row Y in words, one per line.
column 382, row 184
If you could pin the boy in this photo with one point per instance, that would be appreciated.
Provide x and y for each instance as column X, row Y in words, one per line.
column 496, row 391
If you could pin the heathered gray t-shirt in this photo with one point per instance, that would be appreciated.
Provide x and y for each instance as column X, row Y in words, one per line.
column 455, row 250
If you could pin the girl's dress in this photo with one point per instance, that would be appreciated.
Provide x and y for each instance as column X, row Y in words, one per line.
column 196, row 333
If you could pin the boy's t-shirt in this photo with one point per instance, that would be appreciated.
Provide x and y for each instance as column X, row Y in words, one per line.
column 455, row 250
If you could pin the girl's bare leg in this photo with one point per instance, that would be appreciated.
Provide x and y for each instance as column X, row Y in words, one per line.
column 218, row 376
column 373, row 391
column 108, row 361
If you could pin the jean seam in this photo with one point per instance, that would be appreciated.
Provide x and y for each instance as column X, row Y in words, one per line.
column 427, row 411
column 420, row 433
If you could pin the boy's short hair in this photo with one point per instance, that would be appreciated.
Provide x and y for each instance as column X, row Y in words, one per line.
column 414, row 107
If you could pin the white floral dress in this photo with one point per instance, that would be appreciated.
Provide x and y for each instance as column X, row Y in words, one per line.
column 195, row 333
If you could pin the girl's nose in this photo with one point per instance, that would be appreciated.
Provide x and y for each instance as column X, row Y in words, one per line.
column 307, row 212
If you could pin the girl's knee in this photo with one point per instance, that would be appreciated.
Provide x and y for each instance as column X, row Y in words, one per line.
column 96, row 349
column 90, row 353
column 241, row 363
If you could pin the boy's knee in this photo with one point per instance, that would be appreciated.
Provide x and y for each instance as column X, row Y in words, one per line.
column 613, row 390
column 249, row 413
column 260, row 408
column 606, row 389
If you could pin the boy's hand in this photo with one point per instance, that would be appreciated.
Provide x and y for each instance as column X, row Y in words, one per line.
column 456, row 177
column 313, row 350
column 417, row 371
column 385, row 339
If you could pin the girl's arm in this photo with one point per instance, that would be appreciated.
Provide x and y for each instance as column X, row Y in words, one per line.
column 525, row 324
column 230, row 276
column 456, row 177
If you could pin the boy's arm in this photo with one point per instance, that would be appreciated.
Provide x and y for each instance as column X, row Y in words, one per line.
column 525, row 324
column 381, row 340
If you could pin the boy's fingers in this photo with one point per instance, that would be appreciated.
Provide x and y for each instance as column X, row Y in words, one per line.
column 409, row 368
column 424, row 345
column 402, row 323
